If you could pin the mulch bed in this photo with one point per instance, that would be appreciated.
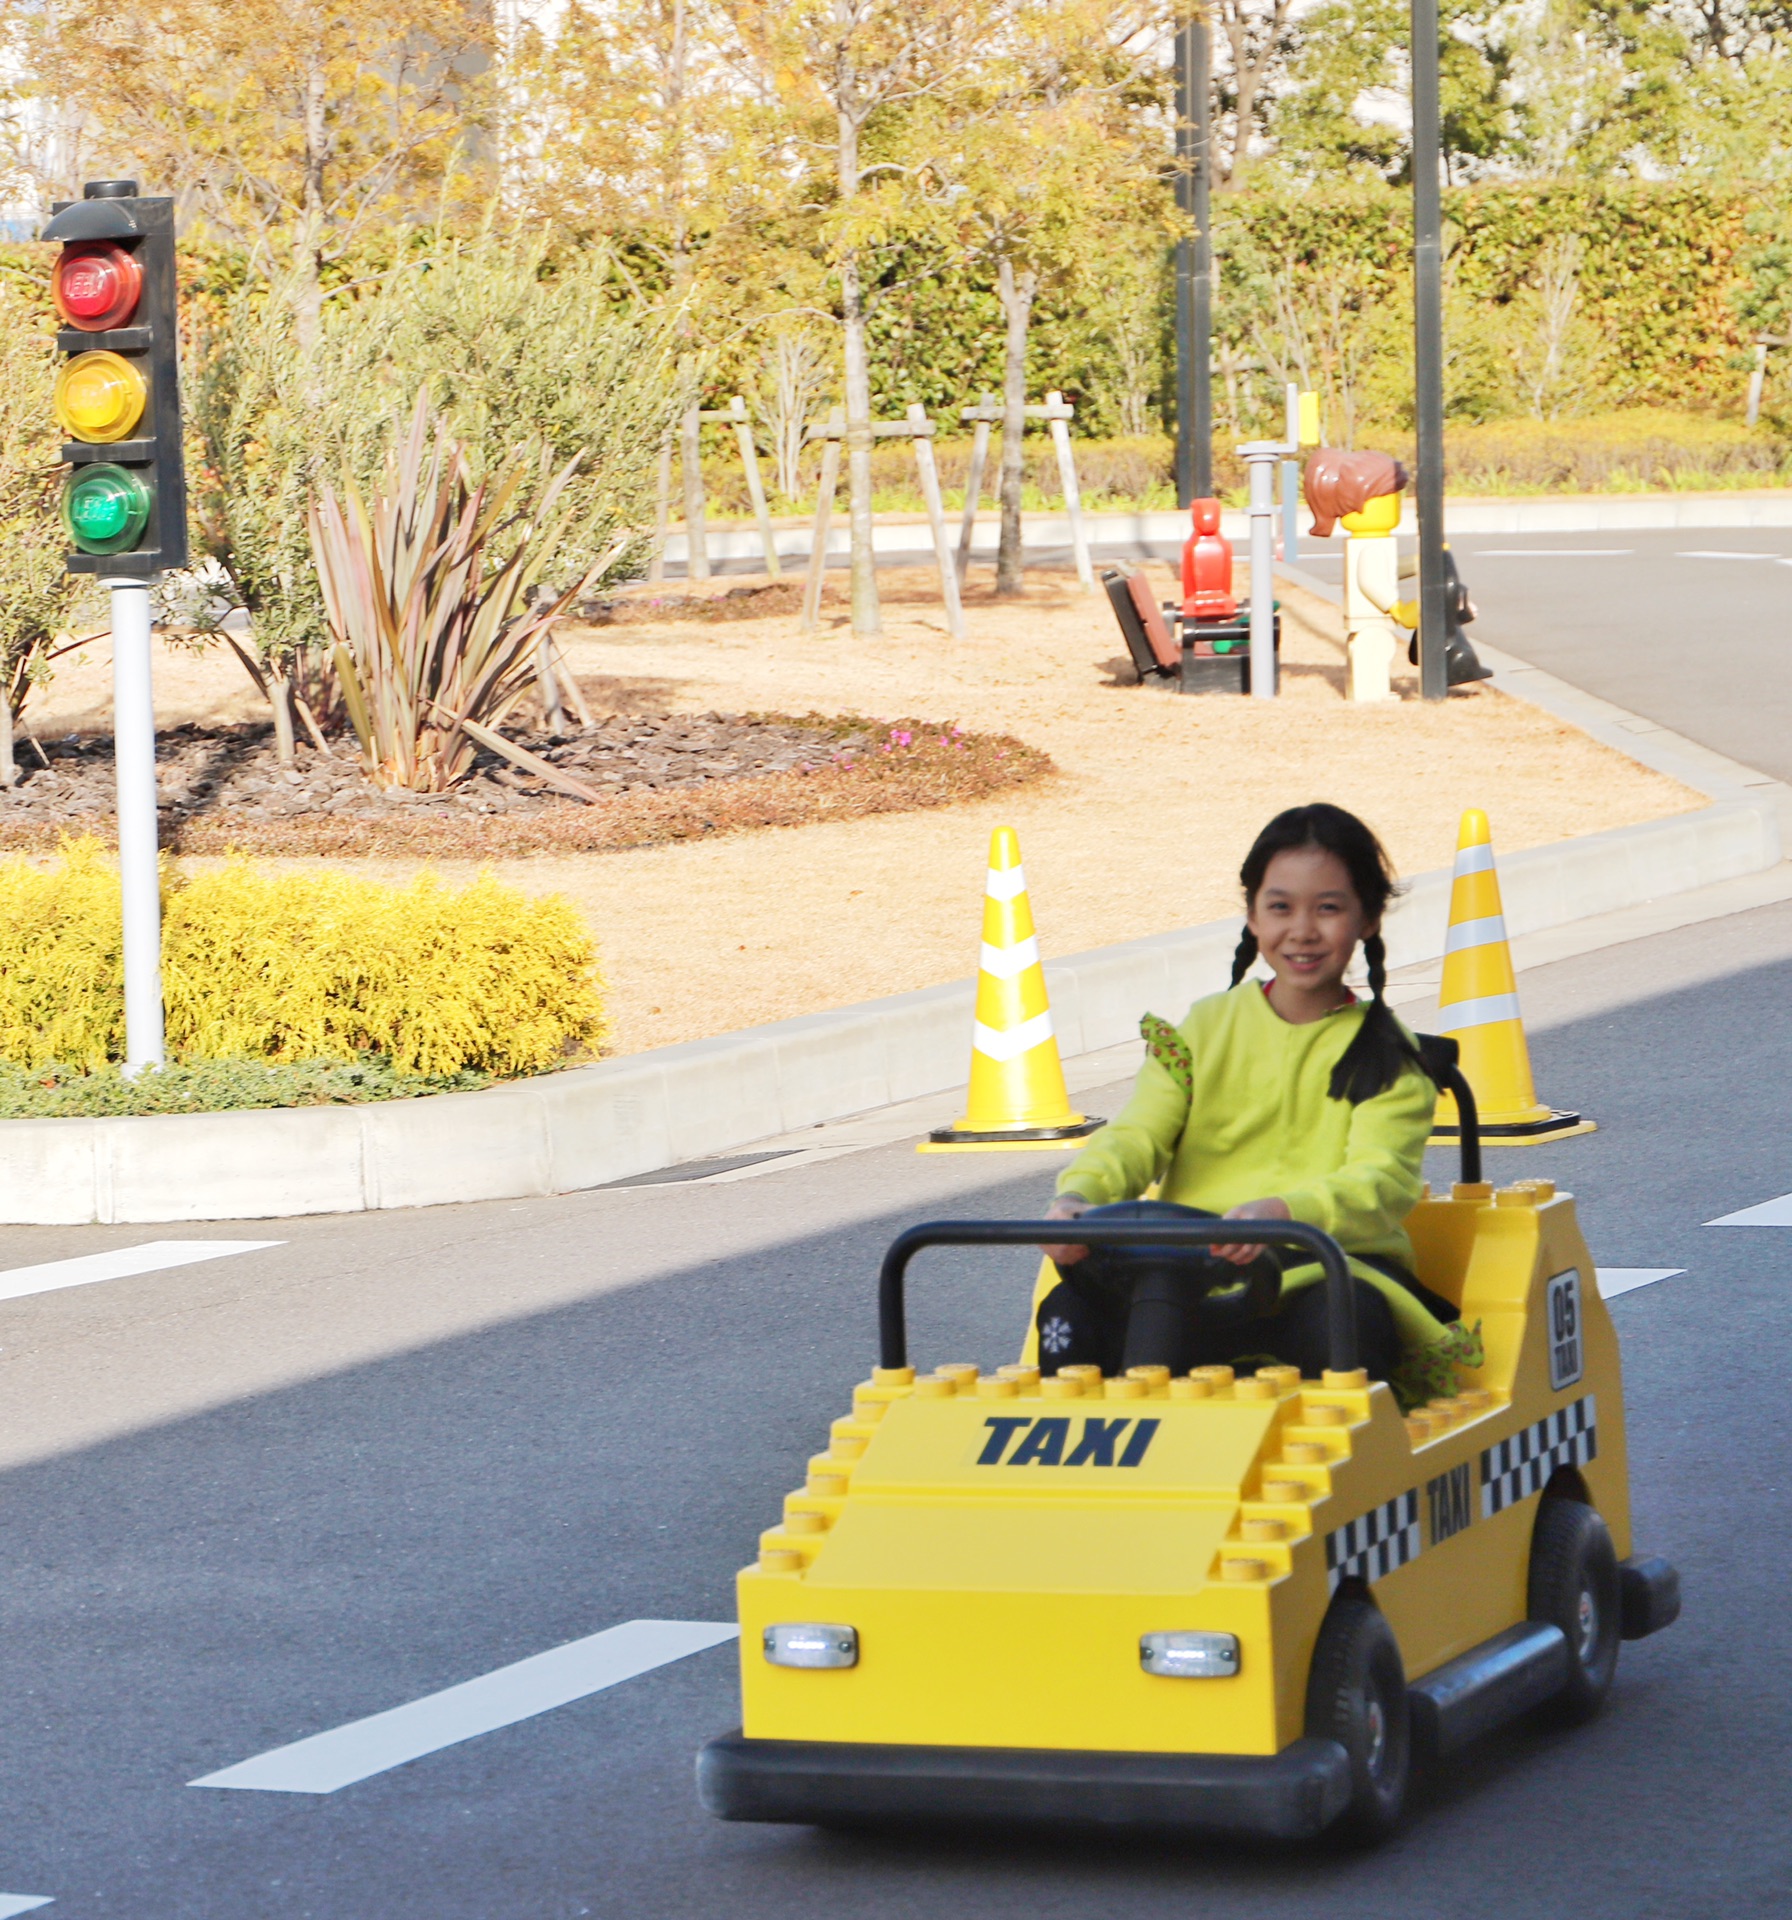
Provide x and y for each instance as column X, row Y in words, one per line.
column 675, row 777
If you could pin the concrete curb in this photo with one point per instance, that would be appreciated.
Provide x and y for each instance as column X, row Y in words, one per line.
column 591, row 1125
column 906, row 539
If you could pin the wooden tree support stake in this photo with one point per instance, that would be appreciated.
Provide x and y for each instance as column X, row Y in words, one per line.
column 914, row 426
column 1058, row 413
column 824, row 512
column 936, row 518
column 985, row 411
column 749, row 459
column 697, row 546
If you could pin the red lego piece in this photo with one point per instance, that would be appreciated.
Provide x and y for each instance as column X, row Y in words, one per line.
column 1207, row 567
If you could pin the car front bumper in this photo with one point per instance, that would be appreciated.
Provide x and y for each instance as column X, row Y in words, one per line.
column 1291, row 1795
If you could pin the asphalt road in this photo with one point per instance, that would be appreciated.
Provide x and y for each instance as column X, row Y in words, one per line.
column 1692, row 629
column 252, row 1500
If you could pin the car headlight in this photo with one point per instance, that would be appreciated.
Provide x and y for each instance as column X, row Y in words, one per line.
column 1189, row 1656
column 812, row 1646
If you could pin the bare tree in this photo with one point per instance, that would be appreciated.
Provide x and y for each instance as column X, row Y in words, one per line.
column 865, row 71
column 1555, row 353
column 1256, row 45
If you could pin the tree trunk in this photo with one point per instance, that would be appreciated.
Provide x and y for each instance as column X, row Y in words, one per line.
column 311, row 241
column 9, row 766
column 1017, row 290
column 547, row 685
column 280, row 699
column 866, row 623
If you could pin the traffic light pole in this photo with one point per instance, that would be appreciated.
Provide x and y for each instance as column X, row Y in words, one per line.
column 1194, row 262
column 124, row 506
column 1428, row 349
column 134, row 754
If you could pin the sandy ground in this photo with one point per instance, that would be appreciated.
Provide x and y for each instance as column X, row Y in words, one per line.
column 1142, row 830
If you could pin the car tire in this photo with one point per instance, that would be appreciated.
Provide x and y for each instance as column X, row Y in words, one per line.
column 1574, row 1585
column 1356, row 1695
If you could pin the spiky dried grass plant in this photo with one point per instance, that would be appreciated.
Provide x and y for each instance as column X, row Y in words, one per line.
column 429, row 595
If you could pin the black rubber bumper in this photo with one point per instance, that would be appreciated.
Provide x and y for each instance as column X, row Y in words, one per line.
column 1291, row 1795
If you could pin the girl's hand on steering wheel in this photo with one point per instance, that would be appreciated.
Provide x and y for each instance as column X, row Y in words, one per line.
column 1066, row 1207
column 1271, row 1209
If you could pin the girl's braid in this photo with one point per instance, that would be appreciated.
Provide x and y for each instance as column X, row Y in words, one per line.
column 1375, row 954
column 1244, row 954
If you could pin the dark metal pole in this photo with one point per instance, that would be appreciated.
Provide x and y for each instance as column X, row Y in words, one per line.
column 1428, row 347
column 1194, row 263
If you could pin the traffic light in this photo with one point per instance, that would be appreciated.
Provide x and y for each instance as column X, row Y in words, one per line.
column 117, row 398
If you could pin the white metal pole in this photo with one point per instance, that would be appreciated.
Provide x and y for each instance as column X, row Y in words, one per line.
column 1291, row 481
column 1260, row 458
column 134, row 749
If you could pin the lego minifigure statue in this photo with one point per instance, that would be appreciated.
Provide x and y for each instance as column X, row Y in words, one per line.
column 1207, row 567
column 1363, row 490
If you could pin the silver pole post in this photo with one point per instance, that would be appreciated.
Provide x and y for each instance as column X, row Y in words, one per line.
column 1291, row 483
column 1261, row 458
column 134, row 750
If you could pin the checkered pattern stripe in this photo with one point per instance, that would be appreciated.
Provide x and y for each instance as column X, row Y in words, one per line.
column 1514, row 1469
column 1376, row 1543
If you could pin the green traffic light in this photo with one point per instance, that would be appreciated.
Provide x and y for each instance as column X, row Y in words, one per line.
column 105, row 509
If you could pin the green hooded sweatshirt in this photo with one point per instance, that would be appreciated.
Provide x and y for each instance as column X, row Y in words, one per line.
column 1247, row 1116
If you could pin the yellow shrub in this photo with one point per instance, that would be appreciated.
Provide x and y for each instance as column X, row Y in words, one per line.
column 61, row 960
column 301, row 966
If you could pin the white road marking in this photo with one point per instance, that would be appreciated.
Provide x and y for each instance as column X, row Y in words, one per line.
column 327, row 1761
column 1724, row 553
column 1770, row 1213
column 1616, row 1280
column 1550, row 553
column 11, row 1903
column 119, row 1264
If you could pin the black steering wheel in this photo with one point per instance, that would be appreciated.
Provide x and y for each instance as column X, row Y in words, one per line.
column 1172, row 1279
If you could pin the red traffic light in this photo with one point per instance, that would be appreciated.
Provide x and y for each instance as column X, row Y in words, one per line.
column 96, row 285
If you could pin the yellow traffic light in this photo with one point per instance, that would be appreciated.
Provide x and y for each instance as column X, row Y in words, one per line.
column 100, row 397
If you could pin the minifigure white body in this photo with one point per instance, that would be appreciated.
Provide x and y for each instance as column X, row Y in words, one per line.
column 1371, row 593
column 1371, row 586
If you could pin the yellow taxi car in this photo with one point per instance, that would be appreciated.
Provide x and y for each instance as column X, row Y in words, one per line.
column 1216, row 1603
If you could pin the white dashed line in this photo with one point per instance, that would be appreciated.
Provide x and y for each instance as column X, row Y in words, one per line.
column 118, row 1264
column 1770, row 1213
column 362, row 1748
column 1724, row 553
column 11, row 1903
column 1616, row 1280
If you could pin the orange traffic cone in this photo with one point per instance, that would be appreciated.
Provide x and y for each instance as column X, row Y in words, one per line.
column 1478, row 1008
column 1018, row 1097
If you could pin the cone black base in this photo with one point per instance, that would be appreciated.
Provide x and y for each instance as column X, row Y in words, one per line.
column 1516, row 1133
column 1014, row 1136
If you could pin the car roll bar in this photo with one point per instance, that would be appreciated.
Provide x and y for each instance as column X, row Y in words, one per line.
column 1439, row 1054
column 1340, row 1292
